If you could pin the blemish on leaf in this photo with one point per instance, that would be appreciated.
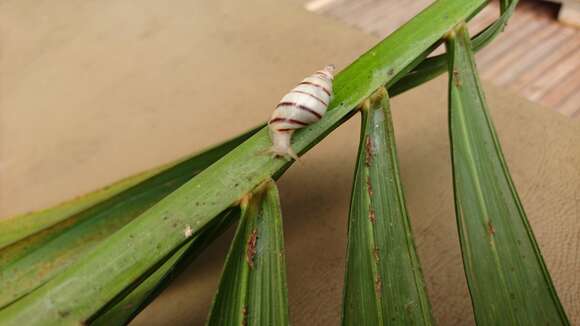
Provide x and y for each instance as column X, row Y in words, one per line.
column 368, row 151
column 188, row 232
column 63, row 313
column 369, row 186
column 372, row 216
column 391, row 72
column 376, row 254
column 456, row 78
column 251, row 251
column 490, row 228
column 378, row 284
column 245, row 315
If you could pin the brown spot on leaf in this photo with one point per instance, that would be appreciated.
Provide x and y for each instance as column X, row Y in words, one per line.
column 63, row 313
column 376, row 254
column 391, row 72
column 368, row 151
column 372, row 216
column 456, row 78
column 369, row 186
column 378, row 284
column 251, row 251
column 490, row 228
column 245, row 315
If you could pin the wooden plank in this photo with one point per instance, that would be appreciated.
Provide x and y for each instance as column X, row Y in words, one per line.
column 522, row 26
column 539, row 68
column 552, row 77
column 529, row 58
column 566, row 88
column 501, row 63
column 571, row 107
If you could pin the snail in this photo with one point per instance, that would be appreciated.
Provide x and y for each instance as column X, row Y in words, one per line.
column 305, row 104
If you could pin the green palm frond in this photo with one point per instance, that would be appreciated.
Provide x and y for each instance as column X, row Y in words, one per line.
column 252, row 289
column 383, row 284
column 508, row 280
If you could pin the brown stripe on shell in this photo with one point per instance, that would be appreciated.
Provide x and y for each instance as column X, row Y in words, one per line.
column 311, row 95
column 294, row 121
column 318, row 86
column 301, row 107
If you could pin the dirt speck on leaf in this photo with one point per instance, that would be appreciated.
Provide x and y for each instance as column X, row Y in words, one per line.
column 63, row 313
column 245, row 315
column 376, row 254
column 188, row 231
column 457, row 78
column 490, row 228
column 368, row 151
column 378, row 284
column 372, row 216
column 251, row 251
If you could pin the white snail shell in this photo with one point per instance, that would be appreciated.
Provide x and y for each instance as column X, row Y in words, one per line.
column 303, row 105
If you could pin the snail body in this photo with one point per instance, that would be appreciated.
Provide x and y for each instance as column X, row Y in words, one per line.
column 305, row 104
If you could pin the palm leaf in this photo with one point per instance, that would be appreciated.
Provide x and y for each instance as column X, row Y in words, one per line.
column 125, row 310
column 134, row 251
column 252, row 289
column 30, row 262
column 508, row 280
column 383, row 283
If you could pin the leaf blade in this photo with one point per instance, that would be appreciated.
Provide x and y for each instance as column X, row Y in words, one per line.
column 253, row 289
column 128, row 308
column 508, row 281
column 383, row 279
